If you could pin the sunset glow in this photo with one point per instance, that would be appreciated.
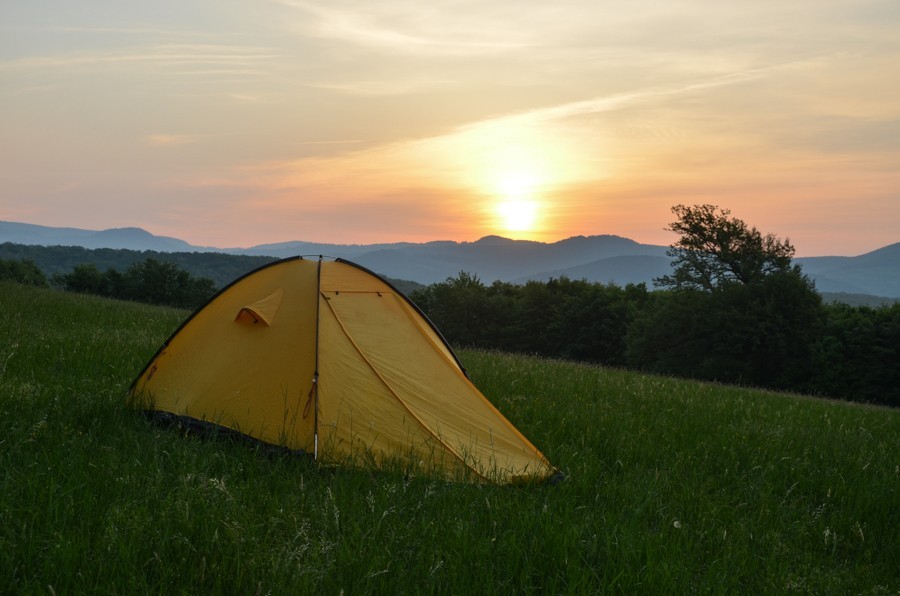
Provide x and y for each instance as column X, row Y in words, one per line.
column 353, row 122
column 518, row 216
column 517, row 208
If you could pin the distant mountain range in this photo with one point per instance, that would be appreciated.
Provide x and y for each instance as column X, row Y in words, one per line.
column 605, row 259
column 130, row 238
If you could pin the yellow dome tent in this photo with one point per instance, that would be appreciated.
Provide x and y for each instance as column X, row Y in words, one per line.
column 327, row 358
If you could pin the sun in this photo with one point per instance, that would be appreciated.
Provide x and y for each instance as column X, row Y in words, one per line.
column 517, row 215
column 517, row 207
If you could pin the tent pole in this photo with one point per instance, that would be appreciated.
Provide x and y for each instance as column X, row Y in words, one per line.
column 316, row 372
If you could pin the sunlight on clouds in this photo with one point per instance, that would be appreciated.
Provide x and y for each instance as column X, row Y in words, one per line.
column 352, row 120
column 589, row 166
column 513, row 171
column 516, row 184
column 500, row 171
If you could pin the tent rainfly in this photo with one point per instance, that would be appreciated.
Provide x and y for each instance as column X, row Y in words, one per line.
column 327, row 358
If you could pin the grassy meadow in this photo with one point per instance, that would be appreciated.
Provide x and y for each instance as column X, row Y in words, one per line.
column 672, row 486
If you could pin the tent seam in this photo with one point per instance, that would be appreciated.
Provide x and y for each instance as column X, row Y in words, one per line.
column 478, row 392
column 393, row 392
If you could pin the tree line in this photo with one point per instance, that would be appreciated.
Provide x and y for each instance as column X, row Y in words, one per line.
column 150, row 281
column 222, row 268
column 734, row 310
column 773, row 336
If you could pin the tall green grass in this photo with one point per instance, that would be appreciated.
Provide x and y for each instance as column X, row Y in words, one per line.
column 672, row 486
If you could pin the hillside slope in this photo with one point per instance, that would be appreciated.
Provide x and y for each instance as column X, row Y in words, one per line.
column 723, row 490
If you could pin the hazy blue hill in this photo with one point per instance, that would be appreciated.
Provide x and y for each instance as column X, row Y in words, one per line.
column 124, row 238
column 620, row 270
column 492, row 258
column 601, row 258
column 858, row 299
column 830, row 285
column 293, row 248
column 876, row 273
column 23, row 233
column 136, row 239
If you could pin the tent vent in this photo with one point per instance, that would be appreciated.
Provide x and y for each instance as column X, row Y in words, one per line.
column 262, row 312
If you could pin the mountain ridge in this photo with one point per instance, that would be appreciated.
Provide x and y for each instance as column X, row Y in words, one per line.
column 603, row 258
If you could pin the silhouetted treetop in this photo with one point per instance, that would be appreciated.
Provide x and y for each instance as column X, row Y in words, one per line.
column 715, row 249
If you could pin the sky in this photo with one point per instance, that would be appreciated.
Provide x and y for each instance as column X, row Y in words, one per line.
column 234, row 123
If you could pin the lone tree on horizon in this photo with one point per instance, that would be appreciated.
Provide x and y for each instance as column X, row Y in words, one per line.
column 715, row 249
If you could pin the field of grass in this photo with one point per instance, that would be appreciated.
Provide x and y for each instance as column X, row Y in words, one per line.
column 672, row 486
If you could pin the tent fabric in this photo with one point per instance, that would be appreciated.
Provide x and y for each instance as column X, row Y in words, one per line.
column 262, row 311
column 326, row 357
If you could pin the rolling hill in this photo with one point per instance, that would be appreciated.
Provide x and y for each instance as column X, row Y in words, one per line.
column 602, row 258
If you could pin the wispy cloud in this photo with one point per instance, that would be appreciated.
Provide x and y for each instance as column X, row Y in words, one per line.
column 385, row 87
column 173, row 140
column 347, row 142
column 29, row 90
column 169, row 55
column 621, row 106
column 608, row 102
column 416, row 28
column 132, row 31
column 562, row 156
